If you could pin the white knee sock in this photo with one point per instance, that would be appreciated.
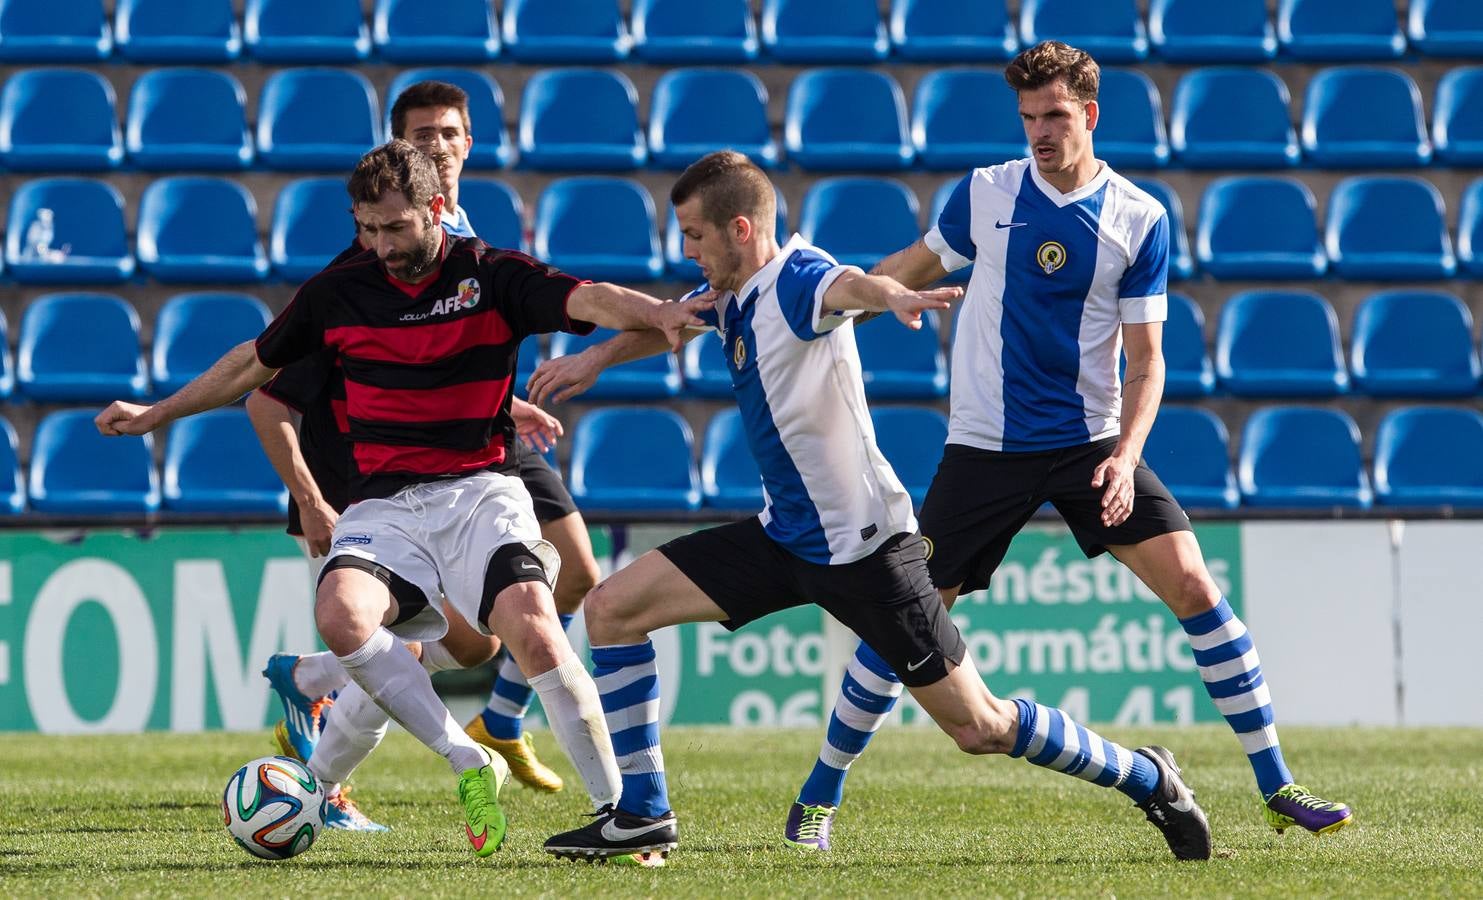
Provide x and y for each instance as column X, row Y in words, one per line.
column 574, row 711
column 436, row 658
column 387, row 670
column 317, row 674
column 352, row 729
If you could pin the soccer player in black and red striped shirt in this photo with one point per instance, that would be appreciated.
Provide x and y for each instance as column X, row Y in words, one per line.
column 426, row 329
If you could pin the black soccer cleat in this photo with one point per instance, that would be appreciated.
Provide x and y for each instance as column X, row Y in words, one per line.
column 613, row 832
column 1173, row 810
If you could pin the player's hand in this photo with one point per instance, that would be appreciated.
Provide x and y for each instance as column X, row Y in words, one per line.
column 563, row 378
column 675, row 318
column 318, row 520
column 909, row 305
column 122, row 418
column 536, row 427
column 1116, row 473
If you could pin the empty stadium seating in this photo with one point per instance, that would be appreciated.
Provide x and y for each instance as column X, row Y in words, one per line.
column 1320, row 30
column 1359, row 116
column 634, row 458
column 192, row 331
column 450, row 31
column 1279, row 344
column 1130, row 132
column 705, row 369
column 951, row 31
column 1181, row 261
column 1259, row 227
column 728, row 472
column 310, row 227
column 200, row 229
column 59, row 120
column 1429, row 456
column 1457, row 116
column 962, row 118
column 805, row 31
column 580, row 119
column 75, row 471
column 843, row 118
column 177, row 31
column 698, row 111
column 1470, row 230
column 565, row 31
column 598, row 227
column 293, row 31
column 899, row 363
column 80, row 348
column 1388, row 227
column 1302, row 457
column 1198, row 31
column 315, row 119
column 1188, row 370
column 1446, row 27
column 1232, row 118
column 54, row 31
column 1413, row 344
column 188, row 119
column 1189, row 449
column 495, row 211
column 859, row 221
column 911, row 439
column 694, row 31
column 7, row 366
column 67, row 231
column 12, row 485
column 214, row 464
column 651, row 378
column 1110, row 30
column 492, row 148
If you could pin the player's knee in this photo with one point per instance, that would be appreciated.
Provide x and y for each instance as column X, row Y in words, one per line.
column 980, row 738
column 470, row 651
column 608, row 614
column 578, row 578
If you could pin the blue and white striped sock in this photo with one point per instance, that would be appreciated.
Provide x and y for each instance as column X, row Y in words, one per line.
column 628, row 682
column 1232, row 673
column 1048, row 737
column 866, row 696
column 510, row 697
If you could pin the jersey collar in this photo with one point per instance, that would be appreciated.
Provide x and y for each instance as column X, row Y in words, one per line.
column 1081, row 193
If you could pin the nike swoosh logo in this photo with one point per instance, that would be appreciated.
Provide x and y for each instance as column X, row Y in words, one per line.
column 1245, row 683
column 478, row 842
column 912, row 667
column 1183, row 804
column 615, row 832
column 856, row 694
column 1001, row 225
column 526, row 565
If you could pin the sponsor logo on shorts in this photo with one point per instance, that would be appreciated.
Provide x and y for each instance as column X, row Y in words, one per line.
column 351, row 539
column 912, row 667
column 868, row 532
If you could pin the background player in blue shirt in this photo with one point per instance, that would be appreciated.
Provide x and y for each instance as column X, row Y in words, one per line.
column 1069, row 265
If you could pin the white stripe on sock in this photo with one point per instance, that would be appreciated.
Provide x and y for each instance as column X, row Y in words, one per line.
column 631, row 716
column 871, row 681
column 1257, row 741
column 1070, row 749
column 1246, row 702
column 1098, row 764
column 510, row 672
column 835, row 758
column 625, row 676
column 855, row 717
column 1229, row 630
column 642, row 761
column 1041, row 733
column 1246, row 662
column 501, row 706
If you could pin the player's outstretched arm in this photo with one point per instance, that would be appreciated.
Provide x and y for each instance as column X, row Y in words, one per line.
column 1143, row 387
column 915, row 266
column 276, row 430
column 564, row 377
column 876, row 293
column 613, row 306
column 233, row 375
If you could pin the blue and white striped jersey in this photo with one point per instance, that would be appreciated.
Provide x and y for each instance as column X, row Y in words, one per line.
column 830, row 495
column 1035, row 355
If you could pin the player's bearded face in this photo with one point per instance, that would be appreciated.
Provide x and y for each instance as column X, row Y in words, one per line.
column 407, row 239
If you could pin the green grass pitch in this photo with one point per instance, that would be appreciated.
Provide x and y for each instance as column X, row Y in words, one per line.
column 140, row 816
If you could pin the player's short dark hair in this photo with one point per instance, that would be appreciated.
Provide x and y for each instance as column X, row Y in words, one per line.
column 394, row 166
column 426, row 94
column 1048, row 61
column 729, row 185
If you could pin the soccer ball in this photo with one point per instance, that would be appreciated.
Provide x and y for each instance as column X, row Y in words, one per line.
column 274, row 807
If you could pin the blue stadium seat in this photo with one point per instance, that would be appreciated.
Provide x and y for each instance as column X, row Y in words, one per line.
column 842, row 118
column 635, row 458
column 694, row 31
column 705, row 369
column 59, row 120
column 1190, row 450
column 1198, row 31
column 80, row 348
column 200, row 229
column 1131, row 131
column 678, row 268
column 193, row 331
column 911, row 438
column 1110, row 30
column 296, row 31
column 1259, row 227
column 54, row 31
column 1413, row 344
column 729, row 478
column 1469, row 230
column 451, row 31
column 963, row 118
column 901, row 364
column 859, row 221
column 1457, row 117
column 650, row 378
column 177, row 31
column 1181, row 262
column 696, row 111
column 492, row 148
column 7, row 366
column 1233, row 117
column 67, row 231
column 1188, row 370
column 1322, row 30
column 806, row 31
column 1446, row 27
column 598, row 227
column 1388, row 227
column 188, row 119
column 951, row 31
column 214, row 464
column 12, row 486
column 565, row 31
column 496, row 212
column 316, row 118
column 310, row 227
column 1279, row 344
column 580, row 119
column 1363, row 117
column 1302, row 457
column 77, row 471
column 1429, row 456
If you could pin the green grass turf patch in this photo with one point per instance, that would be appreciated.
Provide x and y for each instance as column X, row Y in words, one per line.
column 140, row 816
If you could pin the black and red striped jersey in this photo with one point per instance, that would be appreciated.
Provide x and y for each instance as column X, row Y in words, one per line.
column 428, row 369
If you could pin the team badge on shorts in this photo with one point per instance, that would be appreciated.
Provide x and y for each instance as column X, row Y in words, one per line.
column 739, row 352
column 1051, row 256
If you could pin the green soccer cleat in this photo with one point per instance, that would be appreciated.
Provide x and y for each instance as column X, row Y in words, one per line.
column 478, row 791
column 1294, row 805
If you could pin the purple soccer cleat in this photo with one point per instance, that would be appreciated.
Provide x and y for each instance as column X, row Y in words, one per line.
column 808, row 826
column 1294, row 805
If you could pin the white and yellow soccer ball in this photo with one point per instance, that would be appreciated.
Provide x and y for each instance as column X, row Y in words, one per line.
column 274, row 807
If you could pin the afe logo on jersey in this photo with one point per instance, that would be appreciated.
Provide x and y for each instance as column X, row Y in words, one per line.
column 1051, row 256
column 739, row 352
column 467, row 298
